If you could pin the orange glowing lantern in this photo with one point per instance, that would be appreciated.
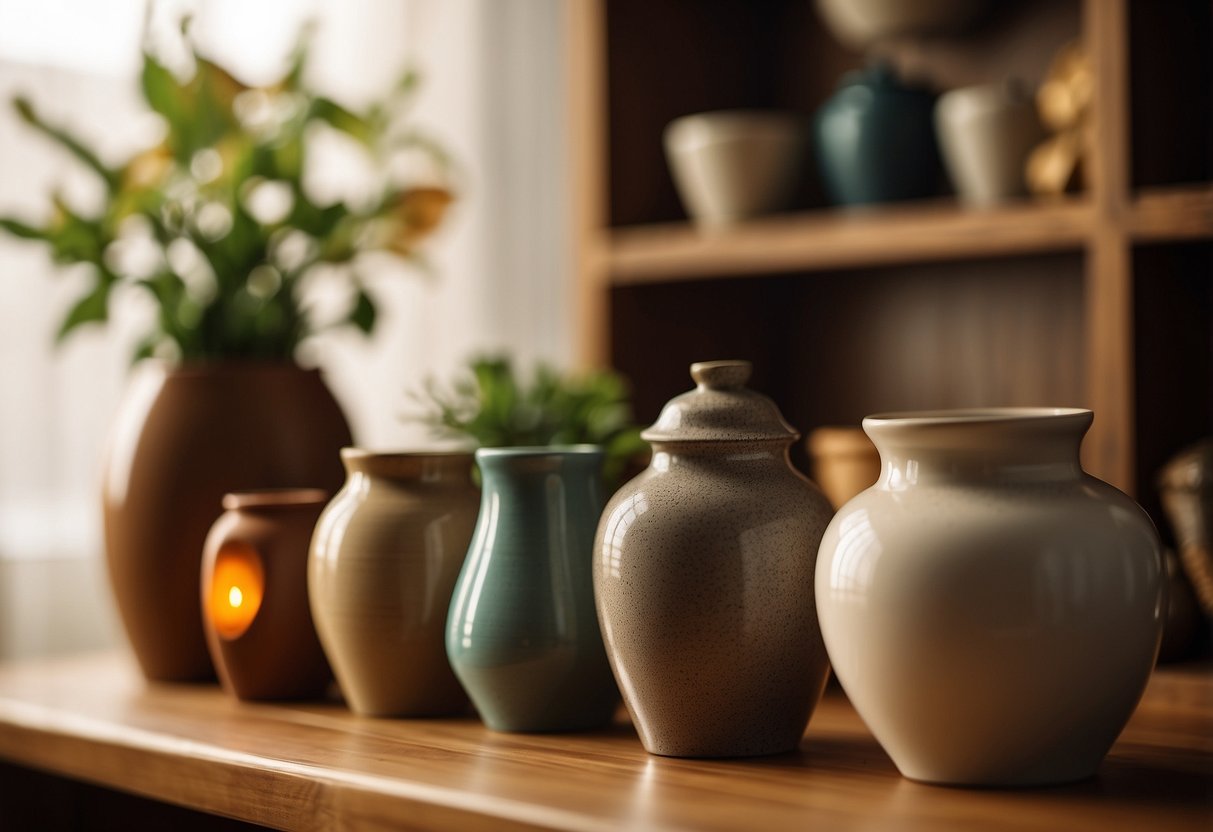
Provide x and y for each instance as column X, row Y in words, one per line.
column 236, row 587
column 255, row 608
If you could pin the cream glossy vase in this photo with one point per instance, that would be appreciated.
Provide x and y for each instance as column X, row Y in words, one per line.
column 703, row 577
column 384, row 560
column 992, row 611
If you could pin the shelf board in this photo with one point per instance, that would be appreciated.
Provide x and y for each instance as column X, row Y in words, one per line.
column 1182, row 212
column 315, row 766
column 820, row 240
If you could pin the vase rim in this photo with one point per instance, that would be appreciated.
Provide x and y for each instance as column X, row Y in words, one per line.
column 977, row 416
column 354, row 452
column 582, row 449
column 227, row 366
column 427, row 465
column 274, row 498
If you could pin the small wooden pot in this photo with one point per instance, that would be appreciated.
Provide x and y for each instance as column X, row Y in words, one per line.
column 255, row 609
column 845, row 462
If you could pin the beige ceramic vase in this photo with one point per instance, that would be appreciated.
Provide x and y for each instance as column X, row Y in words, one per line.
column 992, row 611
column 384, row 561
column 703, row 577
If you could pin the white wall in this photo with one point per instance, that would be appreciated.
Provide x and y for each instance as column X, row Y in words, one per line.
column 494, row 86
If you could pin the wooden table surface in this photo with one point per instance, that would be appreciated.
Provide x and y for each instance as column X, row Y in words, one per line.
column 315, row 766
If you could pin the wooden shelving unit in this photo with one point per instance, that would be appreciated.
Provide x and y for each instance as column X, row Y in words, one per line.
column 1102, row 299
column 83, row 739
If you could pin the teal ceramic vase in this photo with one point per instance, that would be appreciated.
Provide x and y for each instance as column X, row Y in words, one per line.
column 875, row 140
column 522, row 634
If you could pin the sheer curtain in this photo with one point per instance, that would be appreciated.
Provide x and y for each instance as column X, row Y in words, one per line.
column 493, row 91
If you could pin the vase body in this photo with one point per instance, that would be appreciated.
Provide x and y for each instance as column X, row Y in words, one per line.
column 985, row 134
column 992, row 612
column 522, row 635
column 732, row 165
column 254, row 595
column 181, row 440
column 875, row 140
column 703, row 574
column 383, row 565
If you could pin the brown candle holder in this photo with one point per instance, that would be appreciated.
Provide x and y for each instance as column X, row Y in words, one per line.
column 255, row 609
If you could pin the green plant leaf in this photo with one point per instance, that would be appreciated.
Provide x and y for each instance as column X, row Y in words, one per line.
column 363, row 313
column 166, row 95
column 293, row 79
column 146, row 348
column 20, row 229
column 25, row 110
column 338, row 117
column 92, row 308
column 73, row 238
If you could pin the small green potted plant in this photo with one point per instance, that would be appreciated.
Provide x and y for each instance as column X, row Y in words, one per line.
column 493, row 406
column 222, row 204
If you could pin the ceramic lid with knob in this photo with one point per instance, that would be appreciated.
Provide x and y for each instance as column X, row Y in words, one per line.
column 720, row 409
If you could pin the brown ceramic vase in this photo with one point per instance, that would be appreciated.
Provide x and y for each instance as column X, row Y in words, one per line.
column 384, row 561
column 255, row 608
column 703, row 577
column 182, row 439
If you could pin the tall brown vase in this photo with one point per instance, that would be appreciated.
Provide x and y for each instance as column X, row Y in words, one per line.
column 182, row 439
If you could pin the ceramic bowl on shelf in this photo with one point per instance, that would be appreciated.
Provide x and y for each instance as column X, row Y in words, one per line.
column 732, row 165
column 861, row 23
column 986, row 133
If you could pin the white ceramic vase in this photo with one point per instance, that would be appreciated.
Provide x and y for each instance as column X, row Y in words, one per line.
column 992, row 611
column 732, row 165
column 985, row 134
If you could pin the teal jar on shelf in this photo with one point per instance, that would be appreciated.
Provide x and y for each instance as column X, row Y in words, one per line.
column 875, row 139
column 522, row 633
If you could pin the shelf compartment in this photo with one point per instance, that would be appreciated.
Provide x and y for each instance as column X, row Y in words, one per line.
column 832, row 349
column 823, row 240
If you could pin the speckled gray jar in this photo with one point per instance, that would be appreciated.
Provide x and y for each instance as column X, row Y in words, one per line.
column 703, row 578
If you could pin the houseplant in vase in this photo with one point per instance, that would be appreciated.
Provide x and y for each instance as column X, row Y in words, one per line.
column 493, row 406
column 230, row 236
column 522, row 632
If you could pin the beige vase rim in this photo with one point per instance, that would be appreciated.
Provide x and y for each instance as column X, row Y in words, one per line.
column 404, row 464
column 982, row 416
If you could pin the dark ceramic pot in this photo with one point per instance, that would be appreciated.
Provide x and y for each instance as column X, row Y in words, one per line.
column 182, row 439
column 254, row 595
column 875, row 140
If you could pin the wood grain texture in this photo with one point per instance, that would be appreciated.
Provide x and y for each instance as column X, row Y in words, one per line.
column 315, row 766
column 925, row 232
column 588, row 171
column 1172, row 213
column 1110, row 450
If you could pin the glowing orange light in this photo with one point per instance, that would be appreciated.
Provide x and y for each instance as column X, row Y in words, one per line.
column 237, row 585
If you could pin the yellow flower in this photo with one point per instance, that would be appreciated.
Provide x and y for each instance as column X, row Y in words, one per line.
column 417, row 213
column 148, row 169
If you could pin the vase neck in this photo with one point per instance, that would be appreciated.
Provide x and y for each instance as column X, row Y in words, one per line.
column 1003, row 445
column 422, row 467
column 693, row 454
column 518, row 466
